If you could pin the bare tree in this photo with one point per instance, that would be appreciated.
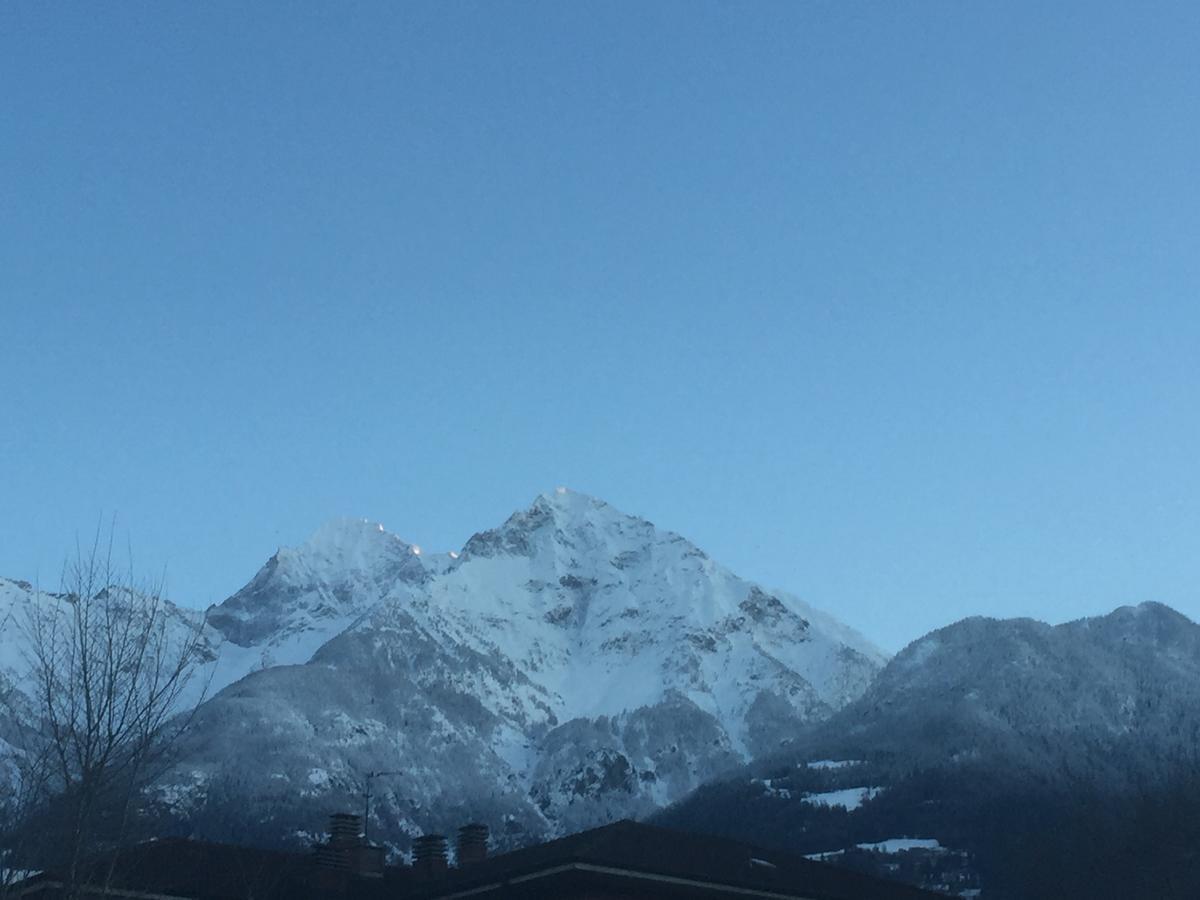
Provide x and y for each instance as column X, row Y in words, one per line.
column 22, row 781
column 110, row 662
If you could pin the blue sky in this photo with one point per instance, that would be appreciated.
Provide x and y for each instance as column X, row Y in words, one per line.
column 891, row 305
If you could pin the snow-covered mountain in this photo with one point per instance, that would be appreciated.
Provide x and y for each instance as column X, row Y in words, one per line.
column 993, row 685
column 572, row 665
column 994, row 737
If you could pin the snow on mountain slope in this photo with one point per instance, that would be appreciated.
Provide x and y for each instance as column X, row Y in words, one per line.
column 217, row 662
column 1014, row 685
column 610, row 614
column 980, row 734
column 15, row 599
column 318, row 588
column 304, row 596
column 573, row 665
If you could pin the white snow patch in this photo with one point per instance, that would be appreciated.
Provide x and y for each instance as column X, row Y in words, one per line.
column 899, row 845
column 821, row 857
column 891, row 845
column 848, row 798
column 833, row 763
column 770, row 790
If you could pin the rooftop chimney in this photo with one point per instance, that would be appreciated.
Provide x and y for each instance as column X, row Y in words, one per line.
column 346, row 851
column 343, row 837
column 429, row 855
column 472, row 844
column 345, row 830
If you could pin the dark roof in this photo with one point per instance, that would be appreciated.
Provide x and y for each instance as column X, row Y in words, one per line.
column 629, row 852
column 184, row 867
column 207, row 870
column 626, row 857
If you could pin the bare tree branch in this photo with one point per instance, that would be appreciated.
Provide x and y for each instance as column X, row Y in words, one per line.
column 110, row 663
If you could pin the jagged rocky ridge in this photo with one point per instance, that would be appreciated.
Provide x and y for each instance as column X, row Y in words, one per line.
column 571, row 666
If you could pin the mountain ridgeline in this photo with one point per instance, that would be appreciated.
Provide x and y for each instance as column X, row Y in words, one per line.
column 575, row 665
column 572, row 666
column 1037, row 760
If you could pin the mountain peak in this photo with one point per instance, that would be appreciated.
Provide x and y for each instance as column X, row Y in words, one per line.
column 1149, row 609
column 346, row 566
column 564, row 502
column 345, row 531
column 1150, row 623
column 563, row 518
column 348, row 544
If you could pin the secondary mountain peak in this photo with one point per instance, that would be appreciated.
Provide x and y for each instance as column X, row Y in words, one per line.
column 1149, row 611
column 316, row 588
column 345, row 529
column 350, row 543
column 344, row 545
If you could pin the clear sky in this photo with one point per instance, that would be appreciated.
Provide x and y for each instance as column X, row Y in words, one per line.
column 892, row 305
